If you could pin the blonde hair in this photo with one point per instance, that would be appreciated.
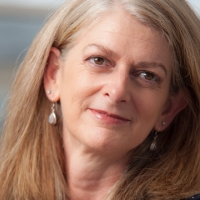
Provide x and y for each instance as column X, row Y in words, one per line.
column 31, row 154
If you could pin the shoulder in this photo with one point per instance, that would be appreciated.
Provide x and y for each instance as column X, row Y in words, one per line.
column 195, row 197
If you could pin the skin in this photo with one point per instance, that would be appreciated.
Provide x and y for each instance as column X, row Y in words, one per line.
column 113, row 86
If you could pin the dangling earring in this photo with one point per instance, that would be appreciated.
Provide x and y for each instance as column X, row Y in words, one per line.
column 52, row 117
column 48, row 91
column 153, row 145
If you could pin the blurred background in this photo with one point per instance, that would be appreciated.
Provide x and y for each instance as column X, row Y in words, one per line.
column 20, row 21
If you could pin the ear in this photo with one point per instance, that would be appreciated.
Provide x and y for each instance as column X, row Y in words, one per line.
column 175, row 104
column 51, row 75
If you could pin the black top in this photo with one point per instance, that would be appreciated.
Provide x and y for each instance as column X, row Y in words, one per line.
column 195, row 197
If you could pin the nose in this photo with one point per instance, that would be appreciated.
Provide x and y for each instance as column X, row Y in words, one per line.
column 117, row 87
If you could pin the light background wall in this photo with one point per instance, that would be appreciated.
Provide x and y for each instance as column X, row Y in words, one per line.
column 32, row 3
column 53, row 3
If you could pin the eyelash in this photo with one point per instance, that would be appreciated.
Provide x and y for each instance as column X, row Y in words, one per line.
column 153, row 77
column 140, row 74
column 105, row 61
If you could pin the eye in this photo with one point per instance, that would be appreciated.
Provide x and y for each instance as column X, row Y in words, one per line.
column 99, row 61
column 149, row 76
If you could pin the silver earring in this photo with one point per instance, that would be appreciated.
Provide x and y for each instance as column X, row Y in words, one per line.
column 48, row 91
column 153, row 145
column 52, row 117
column 163, row 123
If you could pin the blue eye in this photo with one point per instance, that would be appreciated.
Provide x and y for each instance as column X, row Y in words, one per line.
column 149, row 76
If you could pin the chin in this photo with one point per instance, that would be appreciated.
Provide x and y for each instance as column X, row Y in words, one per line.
column 106, row 142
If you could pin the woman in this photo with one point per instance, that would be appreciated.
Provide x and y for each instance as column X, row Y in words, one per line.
column 120, row 83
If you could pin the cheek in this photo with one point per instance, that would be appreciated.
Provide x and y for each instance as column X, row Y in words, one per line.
column 150, row 104
column 76, row 89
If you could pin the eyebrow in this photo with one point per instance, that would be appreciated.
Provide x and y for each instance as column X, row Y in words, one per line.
column 152, row 65
column 140, row 64
column 102, row 48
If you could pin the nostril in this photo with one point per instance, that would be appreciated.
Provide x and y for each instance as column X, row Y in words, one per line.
column 123, row 101
column 106, row 94
column 117, row 93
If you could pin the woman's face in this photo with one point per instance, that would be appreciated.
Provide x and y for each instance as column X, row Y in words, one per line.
column 113, row 85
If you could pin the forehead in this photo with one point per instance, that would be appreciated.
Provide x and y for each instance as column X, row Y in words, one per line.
column 123, row 34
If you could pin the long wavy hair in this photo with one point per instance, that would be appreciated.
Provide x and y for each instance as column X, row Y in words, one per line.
column 31, row 151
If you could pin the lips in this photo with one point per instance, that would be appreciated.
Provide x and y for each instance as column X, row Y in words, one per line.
column 108, row 117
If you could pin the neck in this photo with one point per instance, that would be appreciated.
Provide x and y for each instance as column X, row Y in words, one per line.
column 91, row 175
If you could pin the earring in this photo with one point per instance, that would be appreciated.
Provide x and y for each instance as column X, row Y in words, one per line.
column 163, row 123
column 52, row 117
column 153, row 145
column 48, row 91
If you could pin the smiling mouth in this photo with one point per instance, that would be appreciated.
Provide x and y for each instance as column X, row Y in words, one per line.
column 108, row 117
